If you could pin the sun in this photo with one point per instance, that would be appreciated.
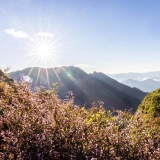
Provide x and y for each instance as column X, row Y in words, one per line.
column 43, row 50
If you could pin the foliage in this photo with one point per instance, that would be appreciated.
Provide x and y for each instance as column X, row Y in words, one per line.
column 41, row 126
column 150, row 110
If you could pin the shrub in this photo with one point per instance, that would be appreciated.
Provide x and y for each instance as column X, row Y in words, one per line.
column 41, row 126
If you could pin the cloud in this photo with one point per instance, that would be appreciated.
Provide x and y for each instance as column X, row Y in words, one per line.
column 16, row 34
column 83, row 65
column 45, row 34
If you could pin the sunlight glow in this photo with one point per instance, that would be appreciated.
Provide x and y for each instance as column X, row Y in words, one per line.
column 43, row 50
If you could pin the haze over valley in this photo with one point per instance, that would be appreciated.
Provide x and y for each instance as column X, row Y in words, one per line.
column 146, row 82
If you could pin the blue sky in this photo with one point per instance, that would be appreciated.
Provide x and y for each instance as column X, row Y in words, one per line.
column 110, row 36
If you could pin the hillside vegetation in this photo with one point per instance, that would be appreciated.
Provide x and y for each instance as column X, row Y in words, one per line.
column 41, row 126
column 150, row 109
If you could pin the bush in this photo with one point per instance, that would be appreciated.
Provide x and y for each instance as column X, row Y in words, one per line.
column 41, row 126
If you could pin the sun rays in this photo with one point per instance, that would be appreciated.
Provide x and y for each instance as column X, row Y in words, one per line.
column 42, row 49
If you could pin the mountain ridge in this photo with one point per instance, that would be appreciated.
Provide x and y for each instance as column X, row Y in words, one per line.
column 87, row 88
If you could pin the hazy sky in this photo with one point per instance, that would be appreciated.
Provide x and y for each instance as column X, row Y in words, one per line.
column 110, row 36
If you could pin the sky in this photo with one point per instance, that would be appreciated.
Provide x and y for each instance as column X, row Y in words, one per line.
column 109, row 36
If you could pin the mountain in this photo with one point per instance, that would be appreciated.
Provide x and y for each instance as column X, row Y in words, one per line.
column 148, row 85
column 87, row 88
column 136, row 76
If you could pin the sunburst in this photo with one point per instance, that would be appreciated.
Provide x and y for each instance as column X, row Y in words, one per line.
column 42, row 50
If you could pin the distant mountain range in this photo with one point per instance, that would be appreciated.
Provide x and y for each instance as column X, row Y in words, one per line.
column 135, row 76
column 147, row 85
column 146, row 82
column 87, row 88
